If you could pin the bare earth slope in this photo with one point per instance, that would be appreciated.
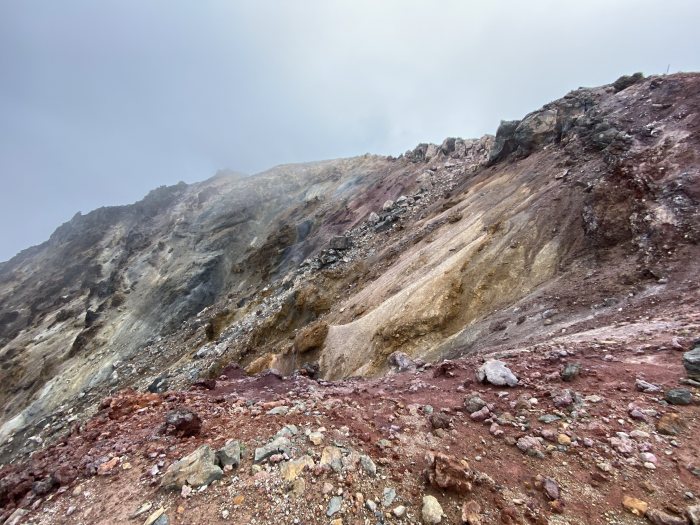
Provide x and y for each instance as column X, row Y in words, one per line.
column 571, row 237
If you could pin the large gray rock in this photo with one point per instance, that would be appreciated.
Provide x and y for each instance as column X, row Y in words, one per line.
column 691, row 362
column 197, row 469
column 497, row 373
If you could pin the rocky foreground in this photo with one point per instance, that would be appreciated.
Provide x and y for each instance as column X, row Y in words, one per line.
column 596, row 428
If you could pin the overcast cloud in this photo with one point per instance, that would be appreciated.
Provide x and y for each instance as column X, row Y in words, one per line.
column 101, row 101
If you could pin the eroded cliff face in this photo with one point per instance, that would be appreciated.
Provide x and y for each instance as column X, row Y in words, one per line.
column 580, row 208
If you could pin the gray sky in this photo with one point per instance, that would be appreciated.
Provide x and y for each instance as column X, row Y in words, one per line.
column 102, row 101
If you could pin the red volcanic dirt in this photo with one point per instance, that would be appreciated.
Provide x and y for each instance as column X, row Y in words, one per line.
column 112, row 465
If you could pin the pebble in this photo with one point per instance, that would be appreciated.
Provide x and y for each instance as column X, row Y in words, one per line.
column 399, row 511
column 432, row 511
column 679, row 396
column 388, row 496
column 316, row 438
column 563, row 439
column 334, row 505
column 635, row 506
column 570, row 372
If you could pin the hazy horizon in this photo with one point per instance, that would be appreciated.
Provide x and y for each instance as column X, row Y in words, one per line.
column 103, row 102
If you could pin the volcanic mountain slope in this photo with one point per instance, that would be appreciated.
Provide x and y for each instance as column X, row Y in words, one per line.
column 562, row 230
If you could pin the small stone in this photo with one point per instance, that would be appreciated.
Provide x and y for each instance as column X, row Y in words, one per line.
column 432, row 511
column 388, row 496
column 691, row 362
column 635, row 506
column 551, row 488
column 290, row 470
column 197, row 469
column 648, row 457
column 278, row 445
column 154, row 516
column 281, row 410
column 670, row 424
column 399, row 511
column 563, row 399
column 316, row 438
column 679, row 396
column 474, row 404
column 107, row 467
column 440, row 420
column 531, row 445
column 334, row 505
column 16, row 517
column 333, row 457
column 183, row 422
column 563, row 439
column 644, row 386
column 480, row 415
column 471, row 511
column 368, row 465
column 570, row 372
